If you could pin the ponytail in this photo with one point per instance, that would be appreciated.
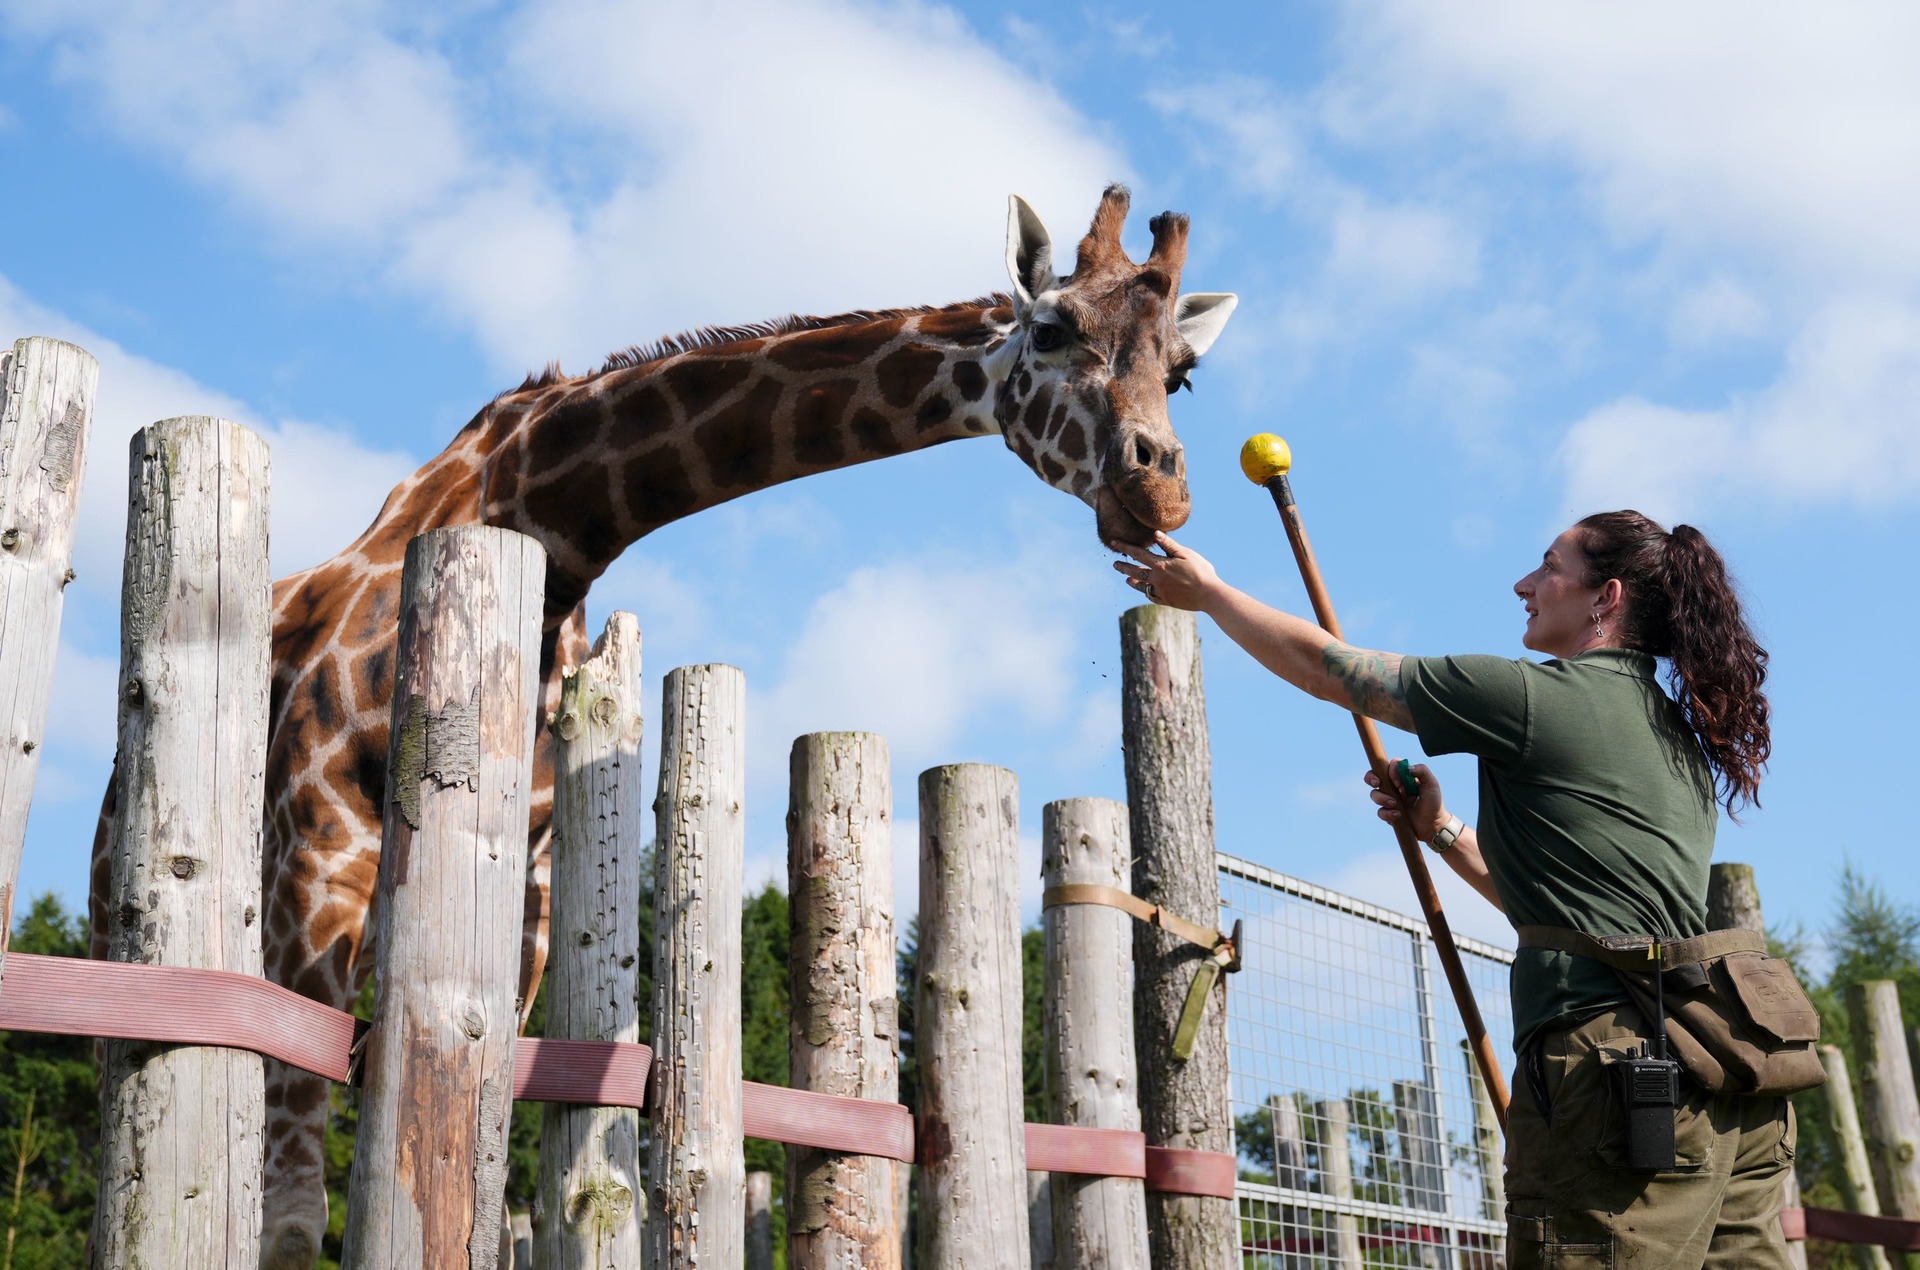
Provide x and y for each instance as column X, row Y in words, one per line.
column 1680, row 604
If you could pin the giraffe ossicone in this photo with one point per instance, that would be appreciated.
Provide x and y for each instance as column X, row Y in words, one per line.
column 1073, row 371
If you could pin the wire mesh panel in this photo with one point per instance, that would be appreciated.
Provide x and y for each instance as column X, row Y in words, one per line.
column 1364, row 1132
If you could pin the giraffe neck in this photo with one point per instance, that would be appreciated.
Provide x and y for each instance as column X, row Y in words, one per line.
column 590, row 465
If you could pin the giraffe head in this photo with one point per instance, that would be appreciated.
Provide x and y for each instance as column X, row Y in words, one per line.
column 1093, row 360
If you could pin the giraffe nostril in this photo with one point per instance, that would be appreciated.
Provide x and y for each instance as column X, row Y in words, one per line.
column 1170, row 463
column 1142, row 452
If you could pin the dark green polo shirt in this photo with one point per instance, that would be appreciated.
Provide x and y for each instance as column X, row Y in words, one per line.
column 1596, row 807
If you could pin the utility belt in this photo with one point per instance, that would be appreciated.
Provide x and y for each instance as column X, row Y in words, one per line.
column 1736, row 1020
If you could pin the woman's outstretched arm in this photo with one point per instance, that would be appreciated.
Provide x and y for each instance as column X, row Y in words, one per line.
column 1356, row 679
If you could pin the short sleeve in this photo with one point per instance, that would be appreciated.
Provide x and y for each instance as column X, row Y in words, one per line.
column 1468, row 705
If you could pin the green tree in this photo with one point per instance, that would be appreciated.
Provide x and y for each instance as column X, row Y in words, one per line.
column 49, row 1117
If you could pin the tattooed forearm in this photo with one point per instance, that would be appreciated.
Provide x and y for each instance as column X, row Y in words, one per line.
column 1371, row 682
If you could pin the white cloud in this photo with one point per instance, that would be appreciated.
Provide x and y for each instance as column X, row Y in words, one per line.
column 1837, row 425
column 546, row 190
column 1716, row 311
column 1778, row 127
column 333, row 487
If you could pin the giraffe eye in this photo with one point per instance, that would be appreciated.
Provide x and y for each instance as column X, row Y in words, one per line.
column 1046, row 336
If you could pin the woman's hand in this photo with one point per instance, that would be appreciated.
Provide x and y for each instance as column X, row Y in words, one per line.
column 1180, row 579
column 1425, row 813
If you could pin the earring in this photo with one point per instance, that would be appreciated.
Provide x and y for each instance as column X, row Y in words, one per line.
column 1598, row 631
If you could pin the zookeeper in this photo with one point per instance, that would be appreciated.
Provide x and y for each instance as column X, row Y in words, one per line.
column 1599, row 794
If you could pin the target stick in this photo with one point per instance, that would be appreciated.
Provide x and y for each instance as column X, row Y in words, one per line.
column 1266, row 460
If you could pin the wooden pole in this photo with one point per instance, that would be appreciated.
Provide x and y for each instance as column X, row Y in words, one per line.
column 1087, row 1003
column 1289, row 1170
column 1170, row 800
column 1733, row 903
column 1856, row 1175
column 1889, row 1109
column 430, row 1159
column 970, row 1186
column 695, row 1161
column 759, row 1221
column 1040, row 1220
column 1331, row 1119
column 591, row 1194
column 46, row 407
column 841, row 985
column 183, row 1128
column 1410, row 853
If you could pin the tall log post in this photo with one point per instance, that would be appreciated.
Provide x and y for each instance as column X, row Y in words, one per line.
column 1289, row 1168
column 1486, row 1142
column 430, row 1159
column 696, row 1162
column 46, row 408
column 591, row 1195
column 1170, row 797
column 842, row 990
column 1087, row 1003
column 1887, row 1102
column 183, row 1127
column 1332, row 1120
column 970, row 1186
column 759, row 1221
column 1733, row 903
column 1856, row 1175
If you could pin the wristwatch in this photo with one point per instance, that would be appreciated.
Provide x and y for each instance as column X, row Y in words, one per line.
column 1446, row 835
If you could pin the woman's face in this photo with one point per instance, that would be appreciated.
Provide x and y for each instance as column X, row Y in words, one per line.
column 1559, row 604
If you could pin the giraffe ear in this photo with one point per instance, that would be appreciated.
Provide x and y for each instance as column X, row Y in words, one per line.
column 1201, row 317
column 1029, row 254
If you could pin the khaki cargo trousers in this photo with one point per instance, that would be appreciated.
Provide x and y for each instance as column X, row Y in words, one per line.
column 1573, row 1205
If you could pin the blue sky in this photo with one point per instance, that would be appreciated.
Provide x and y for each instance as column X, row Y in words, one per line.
column 1500, row 264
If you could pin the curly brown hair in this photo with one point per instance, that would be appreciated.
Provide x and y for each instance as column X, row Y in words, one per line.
column 1681, row 604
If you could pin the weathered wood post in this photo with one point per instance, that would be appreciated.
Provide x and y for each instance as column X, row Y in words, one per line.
column 183, row 1127
column 1331, row 1121
column 759, row 1220
column 1487, row 1148
column 1170, row 798
column 841, row 986
column 430, row 1158
column 1887, row 1103
column 1856, row 1175
column 1087, row 1001
column 971, row 1182
column 591, row 1196
column 696, row 1161
column 46, row 408
column 1733, row 903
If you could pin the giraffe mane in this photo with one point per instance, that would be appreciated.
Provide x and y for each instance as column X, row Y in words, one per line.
column 719, row 336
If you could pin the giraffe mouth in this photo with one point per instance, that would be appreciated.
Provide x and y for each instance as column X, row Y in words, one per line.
column 1116, row 521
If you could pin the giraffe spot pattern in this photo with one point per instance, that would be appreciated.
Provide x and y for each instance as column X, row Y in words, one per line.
column 570, row 428
column 818, row 427
column 657, row 487
column 837, row 348
column 1073, row 440
column 737, row 443
column 874, row 432
column 904, row 374
column 706, row 379
column 970, row 379
column 935, row 412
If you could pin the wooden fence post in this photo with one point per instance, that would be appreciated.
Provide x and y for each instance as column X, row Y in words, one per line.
column 759, row 1221
column 1088, row 1003
column 1733, row 903
column 1487, row 1148
column 696, row 1161
column 591, row 1195
column 1888, row 1105
column 183, row 1127
column 1331, row 1120
column 1170, row 798
column 430, row 1158
column 46, row 408
column 971, row 1181
column 841, row 986
column 1856, row 1175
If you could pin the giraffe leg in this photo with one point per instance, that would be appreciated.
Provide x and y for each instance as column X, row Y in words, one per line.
column 296, row 1186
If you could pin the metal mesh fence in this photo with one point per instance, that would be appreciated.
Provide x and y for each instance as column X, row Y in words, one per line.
column 1364, row 1133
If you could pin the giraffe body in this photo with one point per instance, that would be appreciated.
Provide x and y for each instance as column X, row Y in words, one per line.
column 1074, row 373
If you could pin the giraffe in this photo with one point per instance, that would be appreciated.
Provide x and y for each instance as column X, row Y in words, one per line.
column 1074, row 374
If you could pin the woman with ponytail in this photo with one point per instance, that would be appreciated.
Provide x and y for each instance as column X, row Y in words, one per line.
column 1599, row 795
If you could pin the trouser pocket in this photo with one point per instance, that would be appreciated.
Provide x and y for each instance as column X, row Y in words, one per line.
column 1534, row 1242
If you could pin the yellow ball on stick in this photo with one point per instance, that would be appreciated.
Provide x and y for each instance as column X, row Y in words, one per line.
column 1264, row 457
